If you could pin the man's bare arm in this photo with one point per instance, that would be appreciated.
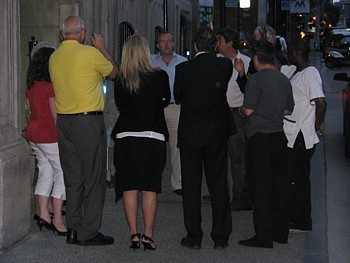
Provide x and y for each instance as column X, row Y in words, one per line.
column 321, row 106
column 99, row 43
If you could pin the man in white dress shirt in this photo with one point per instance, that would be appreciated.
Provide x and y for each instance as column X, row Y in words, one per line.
column 167, row 59
column 228, row 46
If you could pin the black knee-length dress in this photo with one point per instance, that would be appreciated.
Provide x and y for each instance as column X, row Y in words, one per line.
column 141, row 132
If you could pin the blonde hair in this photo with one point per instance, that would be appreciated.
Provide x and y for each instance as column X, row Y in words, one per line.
column 265, row 33
column 136, row 60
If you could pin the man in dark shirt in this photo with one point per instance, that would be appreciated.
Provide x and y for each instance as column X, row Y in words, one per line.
column 268, row 98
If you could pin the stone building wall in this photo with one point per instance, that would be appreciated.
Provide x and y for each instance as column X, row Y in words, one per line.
column 14, row 155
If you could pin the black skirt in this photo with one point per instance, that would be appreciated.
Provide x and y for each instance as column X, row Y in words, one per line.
column 139, row 164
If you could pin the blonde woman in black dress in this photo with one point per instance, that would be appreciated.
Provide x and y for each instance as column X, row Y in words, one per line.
column 141, row 93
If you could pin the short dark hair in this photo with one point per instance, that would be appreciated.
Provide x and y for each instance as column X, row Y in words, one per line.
column 230, row 35
column 301, row 46
column 265, row 52
column 163, row 32
column 39, row 66
column 205, row 39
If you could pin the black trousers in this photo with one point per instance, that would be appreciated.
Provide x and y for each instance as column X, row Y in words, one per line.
column 267, row 163
column 300, row 187
column 247, row 191
column 214, row 160
column 83, row 148
column 236, row 152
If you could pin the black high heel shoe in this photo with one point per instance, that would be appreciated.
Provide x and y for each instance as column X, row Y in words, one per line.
column 43, row 223
column 56, row 231
column 36, row 217
column 135, row 244
column 148, row 245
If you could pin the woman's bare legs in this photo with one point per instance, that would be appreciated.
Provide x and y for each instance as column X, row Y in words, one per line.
column 149, row 209
column 130, row 209
column 37, row 207
column 43, row 202
column 51, row 209
column 57, row 214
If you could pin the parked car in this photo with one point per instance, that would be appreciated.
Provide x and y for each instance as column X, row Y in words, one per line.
column 331, row 39
column 346, row 110
column 325, row 33
column 338, row 52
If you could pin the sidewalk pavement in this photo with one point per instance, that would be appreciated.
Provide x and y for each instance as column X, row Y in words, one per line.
column 169, row 229
column 329, row 237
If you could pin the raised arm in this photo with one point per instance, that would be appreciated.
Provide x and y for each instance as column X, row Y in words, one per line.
column 99, row 43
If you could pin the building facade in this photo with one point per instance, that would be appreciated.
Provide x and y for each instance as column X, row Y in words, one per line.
column 344, row 6
column 275, row 13
column 229, row 14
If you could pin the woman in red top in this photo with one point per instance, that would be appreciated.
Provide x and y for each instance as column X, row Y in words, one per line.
column 42, row 136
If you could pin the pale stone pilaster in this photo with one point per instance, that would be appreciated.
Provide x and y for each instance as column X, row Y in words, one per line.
column 14, row 155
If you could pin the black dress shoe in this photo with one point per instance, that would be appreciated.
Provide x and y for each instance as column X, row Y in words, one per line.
column 99, row 240
column 178, row 191
column 293, row 228
column 71, row 236
column 280, row 241
column 220, row 246
column 253, row 242
column 186, row 242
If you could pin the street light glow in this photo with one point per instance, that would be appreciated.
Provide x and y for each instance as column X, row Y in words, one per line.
column 244, row 4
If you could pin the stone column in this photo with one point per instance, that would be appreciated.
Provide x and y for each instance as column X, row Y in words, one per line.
column 14, row 155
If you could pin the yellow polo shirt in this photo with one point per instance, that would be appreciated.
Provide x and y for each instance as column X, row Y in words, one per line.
column 77, row 73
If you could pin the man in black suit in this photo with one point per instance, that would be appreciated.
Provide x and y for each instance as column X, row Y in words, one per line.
column 205, row 124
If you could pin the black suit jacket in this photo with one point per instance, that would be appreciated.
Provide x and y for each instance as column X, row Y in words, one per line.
column 200, row 87
column 143, row 111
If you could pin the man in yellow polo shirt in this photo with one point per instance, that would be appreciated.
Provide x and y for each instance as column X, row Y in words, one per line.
column 77, row 72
